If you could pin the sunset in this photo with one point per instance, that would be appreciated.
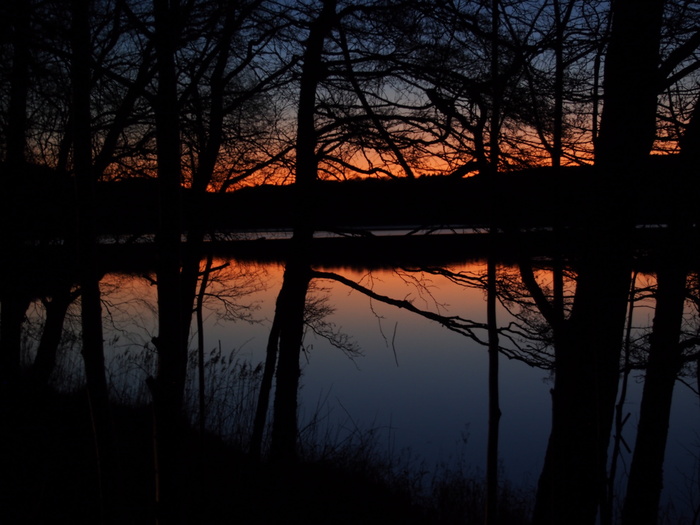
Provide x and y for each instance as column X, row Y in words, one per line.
column 336, row 261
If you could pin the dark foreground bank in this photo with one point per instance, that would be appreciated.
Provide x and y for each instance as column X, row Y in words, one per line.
column 50, row 473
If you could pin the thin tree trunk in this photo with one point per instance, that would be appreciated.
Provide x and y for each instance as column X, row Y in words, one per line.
column 560, row 20
column 200, row 345
column 491, row 517
column 606, row 513
column 494, row 404
column 496, row 90
column 266, row 382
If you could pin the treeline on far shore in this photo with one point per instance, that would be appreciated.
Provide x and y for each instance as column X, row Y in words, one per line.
column 43, row 203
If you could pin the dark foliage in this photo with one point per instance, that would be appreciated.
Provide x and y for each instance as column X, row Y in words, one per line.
column 537, row 197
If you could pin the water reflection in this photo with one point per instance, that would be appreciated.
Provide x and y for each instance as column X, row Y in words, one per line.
column 400, row 355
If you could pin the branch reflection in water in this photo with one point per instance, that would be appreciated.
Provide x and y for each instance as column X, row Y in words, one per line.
column 395, row 353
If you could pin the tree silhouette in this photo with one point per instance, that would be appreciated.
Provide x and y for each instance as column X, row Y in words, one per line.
column 206, row 96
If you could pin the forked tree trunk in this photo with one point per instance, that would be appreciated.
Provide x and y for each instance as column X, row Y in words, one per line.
column 297, row 275
column 583, row 398
column 588, row 345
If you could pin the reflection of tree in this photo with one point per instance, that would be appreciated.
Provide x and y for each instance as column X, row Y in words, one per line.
column 575, row 329
column 287, row 332
column 663, row 365
column 488, row 282
column 316, row 311
column 228, row 287
column 289, row 324
column 227, row 298
column 438, row 83
column 585, row 360
column 665, row 357
column 455, row 323
column 300, row 307
column 587, row 346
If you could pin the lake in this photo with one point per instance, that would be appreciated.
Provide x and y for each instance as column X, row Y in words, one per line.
column 402, row 384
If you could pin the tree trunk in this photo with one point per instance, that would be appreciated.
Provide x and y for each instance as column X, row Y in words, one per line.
column 306, row 169
column 561, row 19
column 266, row 382
column 494, row 403
column 496, row 91
column 631, row 84
column 14, row 301
column 491, row 517
column 587, row 356
column 171, row 358
column 665, row 360
column 45, row 359
column 588, row 345
column 91, row 303
column 606, row 513
column 14, row 308
column 168, row 388
column 290, row 307
column 645, row 481
column 297, row 274
column 19, row 86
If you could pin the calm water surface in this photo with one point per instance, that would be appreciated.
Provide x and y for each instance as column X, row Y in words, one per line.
column 417, row 387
